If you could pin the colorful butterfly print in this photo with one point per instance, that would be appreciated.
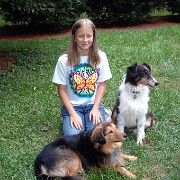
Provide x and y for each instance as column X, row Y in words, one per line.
column 81, row 82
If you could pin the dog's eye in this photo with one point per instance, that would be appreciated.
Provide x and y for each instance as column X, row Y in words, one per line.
column 147, row 72
column 110, row 131
column 144, row 73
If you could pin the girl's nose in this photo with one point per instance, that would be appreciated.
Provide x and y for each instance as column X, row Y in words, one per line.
column 85, row 38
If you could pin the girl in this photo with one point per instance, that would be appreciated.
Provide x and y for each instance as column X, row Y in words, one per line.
column 81, row 76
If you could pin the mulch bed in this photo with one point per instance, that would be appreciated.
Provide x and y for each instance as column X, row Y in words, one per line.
column 5, row 63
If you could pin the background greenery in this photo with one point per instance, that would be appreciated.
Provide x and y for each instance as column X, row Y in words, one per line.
column 29, row 100
column 60, row 14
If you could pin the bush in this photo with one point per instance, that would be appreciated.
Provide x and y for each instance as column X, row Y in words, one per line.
column 115, row 12
column 173, row 6
column 41, row 12
column 160, row 4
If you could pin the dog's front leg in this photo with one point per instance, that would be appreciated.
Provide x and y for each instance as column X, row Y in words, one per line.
column 120, row 123
column 126, row 172
column 141, row 130
column 127, row 157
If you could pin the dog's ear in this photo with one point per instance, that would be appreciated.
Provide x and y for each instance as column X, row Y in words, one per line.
column 132, row 70
column 97, row 136
column 147, row 65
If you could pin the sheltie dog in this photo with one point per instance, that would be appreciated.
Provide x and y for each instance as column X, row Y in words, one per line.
column 131, row 109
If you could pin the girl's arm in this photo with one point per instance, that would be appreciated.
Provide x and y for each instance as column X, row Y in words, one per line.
column 74, row 117
column 95, row 115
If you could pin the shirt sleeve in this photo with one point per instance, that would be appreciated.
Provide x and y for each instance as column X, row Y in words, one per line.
column 61, row 71
column 105, row 72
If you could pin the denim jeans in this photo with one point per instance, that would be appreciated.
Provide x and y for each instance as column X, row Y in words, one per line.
column 83, row 111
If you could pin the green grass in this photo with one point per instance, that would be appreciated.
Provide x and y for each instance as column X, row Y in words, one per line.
column 29, row 99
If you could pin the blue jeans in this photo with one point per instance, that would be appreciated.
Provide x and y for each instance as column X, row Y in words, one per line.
column 83, row 111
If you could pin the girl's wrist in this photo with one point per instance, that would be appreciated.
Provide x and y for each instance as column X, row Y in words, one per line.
column 95, row 106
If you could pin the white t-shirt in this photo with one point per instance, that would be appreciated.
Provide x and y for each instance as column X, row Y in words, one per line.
column 82, row 80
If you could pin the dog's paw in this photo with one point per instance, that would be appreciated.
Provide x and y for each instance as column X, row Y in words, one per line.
column 132, row 158
column 139, row 143
column 133, row 176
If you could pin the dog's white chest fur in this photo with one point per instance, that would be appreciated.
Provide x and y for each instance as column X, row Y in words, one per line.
column 133, row 103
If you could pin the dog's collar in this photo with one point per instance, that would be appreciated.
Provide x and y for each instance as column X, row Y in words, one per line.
column 135, row 93
column 114, row 155
column 135, row 90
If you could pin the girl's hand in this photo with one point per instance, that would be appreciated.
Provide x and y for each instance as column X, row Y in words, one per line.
column 76, row 121
column 95, row 116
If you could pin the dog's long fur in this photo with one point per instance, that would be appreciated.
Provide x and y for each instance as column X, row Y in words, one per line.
column 69, row 156
column 131, row 109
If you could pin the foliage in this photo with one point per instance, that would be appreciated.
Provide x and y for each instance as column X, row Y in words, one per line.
column 59, row 14
column 38, row 12
column 173, row 6
column 160, row 4
column 29, row 100
column 160, row 12
column 117, row 12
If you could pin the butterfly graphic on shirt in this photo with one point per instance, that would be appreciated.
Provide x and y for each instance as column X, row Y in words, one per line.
column 82, row 84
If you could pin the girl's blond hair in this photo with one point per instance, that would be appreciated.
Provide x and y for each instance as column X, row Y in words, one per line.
column 73, row 54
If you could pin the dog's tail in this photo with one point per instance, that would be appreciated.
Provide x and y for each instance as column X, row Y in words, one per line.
column 150, row 119
column 40, row 176
column 108, row 114
column 38, row 171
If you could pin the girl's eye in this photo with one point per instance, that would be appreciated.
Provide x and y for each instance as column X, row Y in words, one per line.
column 80, row 36
column 83, row 36
column 89, row 36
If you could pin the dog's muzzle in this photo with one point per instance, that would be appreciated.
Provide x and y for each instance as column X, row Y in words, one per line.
column 153, row 83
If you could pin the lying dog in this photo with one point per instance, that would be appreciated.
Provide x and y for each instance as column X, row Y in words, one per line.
column 69, row 156
column 131, row 109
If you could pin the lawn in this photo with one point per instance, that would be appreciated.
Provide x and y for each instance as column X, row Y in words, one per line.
column 29, row 101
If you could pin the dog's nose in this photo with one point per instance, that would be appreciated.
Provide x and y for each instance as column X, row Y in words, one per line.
column 156, row 83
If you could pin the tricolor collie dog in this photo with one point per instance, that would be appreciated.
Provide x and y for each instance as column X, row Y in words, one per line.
column 131, row 109
column 69, row 156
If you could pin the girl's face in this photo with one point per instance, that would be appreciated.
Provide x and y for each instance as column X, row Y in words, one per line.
column 84, row 38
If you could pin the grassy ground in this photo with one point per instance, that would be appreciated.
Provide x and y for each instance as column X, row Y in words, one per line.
column 29, row 100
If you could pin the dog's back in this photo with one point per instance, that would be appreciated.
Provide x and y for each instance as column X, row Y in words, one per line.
column 55, row 156
column 77, row 149
column 68, row 156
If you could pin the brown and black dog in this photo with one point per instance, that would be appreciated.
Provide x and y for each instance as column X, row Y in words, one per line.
column 69, row 156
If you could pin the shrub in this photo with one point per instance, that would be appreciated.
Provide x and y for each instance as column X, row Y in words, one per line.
column 38, row 12
column 173, row 6
column 115, row 12
column 160, row 4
